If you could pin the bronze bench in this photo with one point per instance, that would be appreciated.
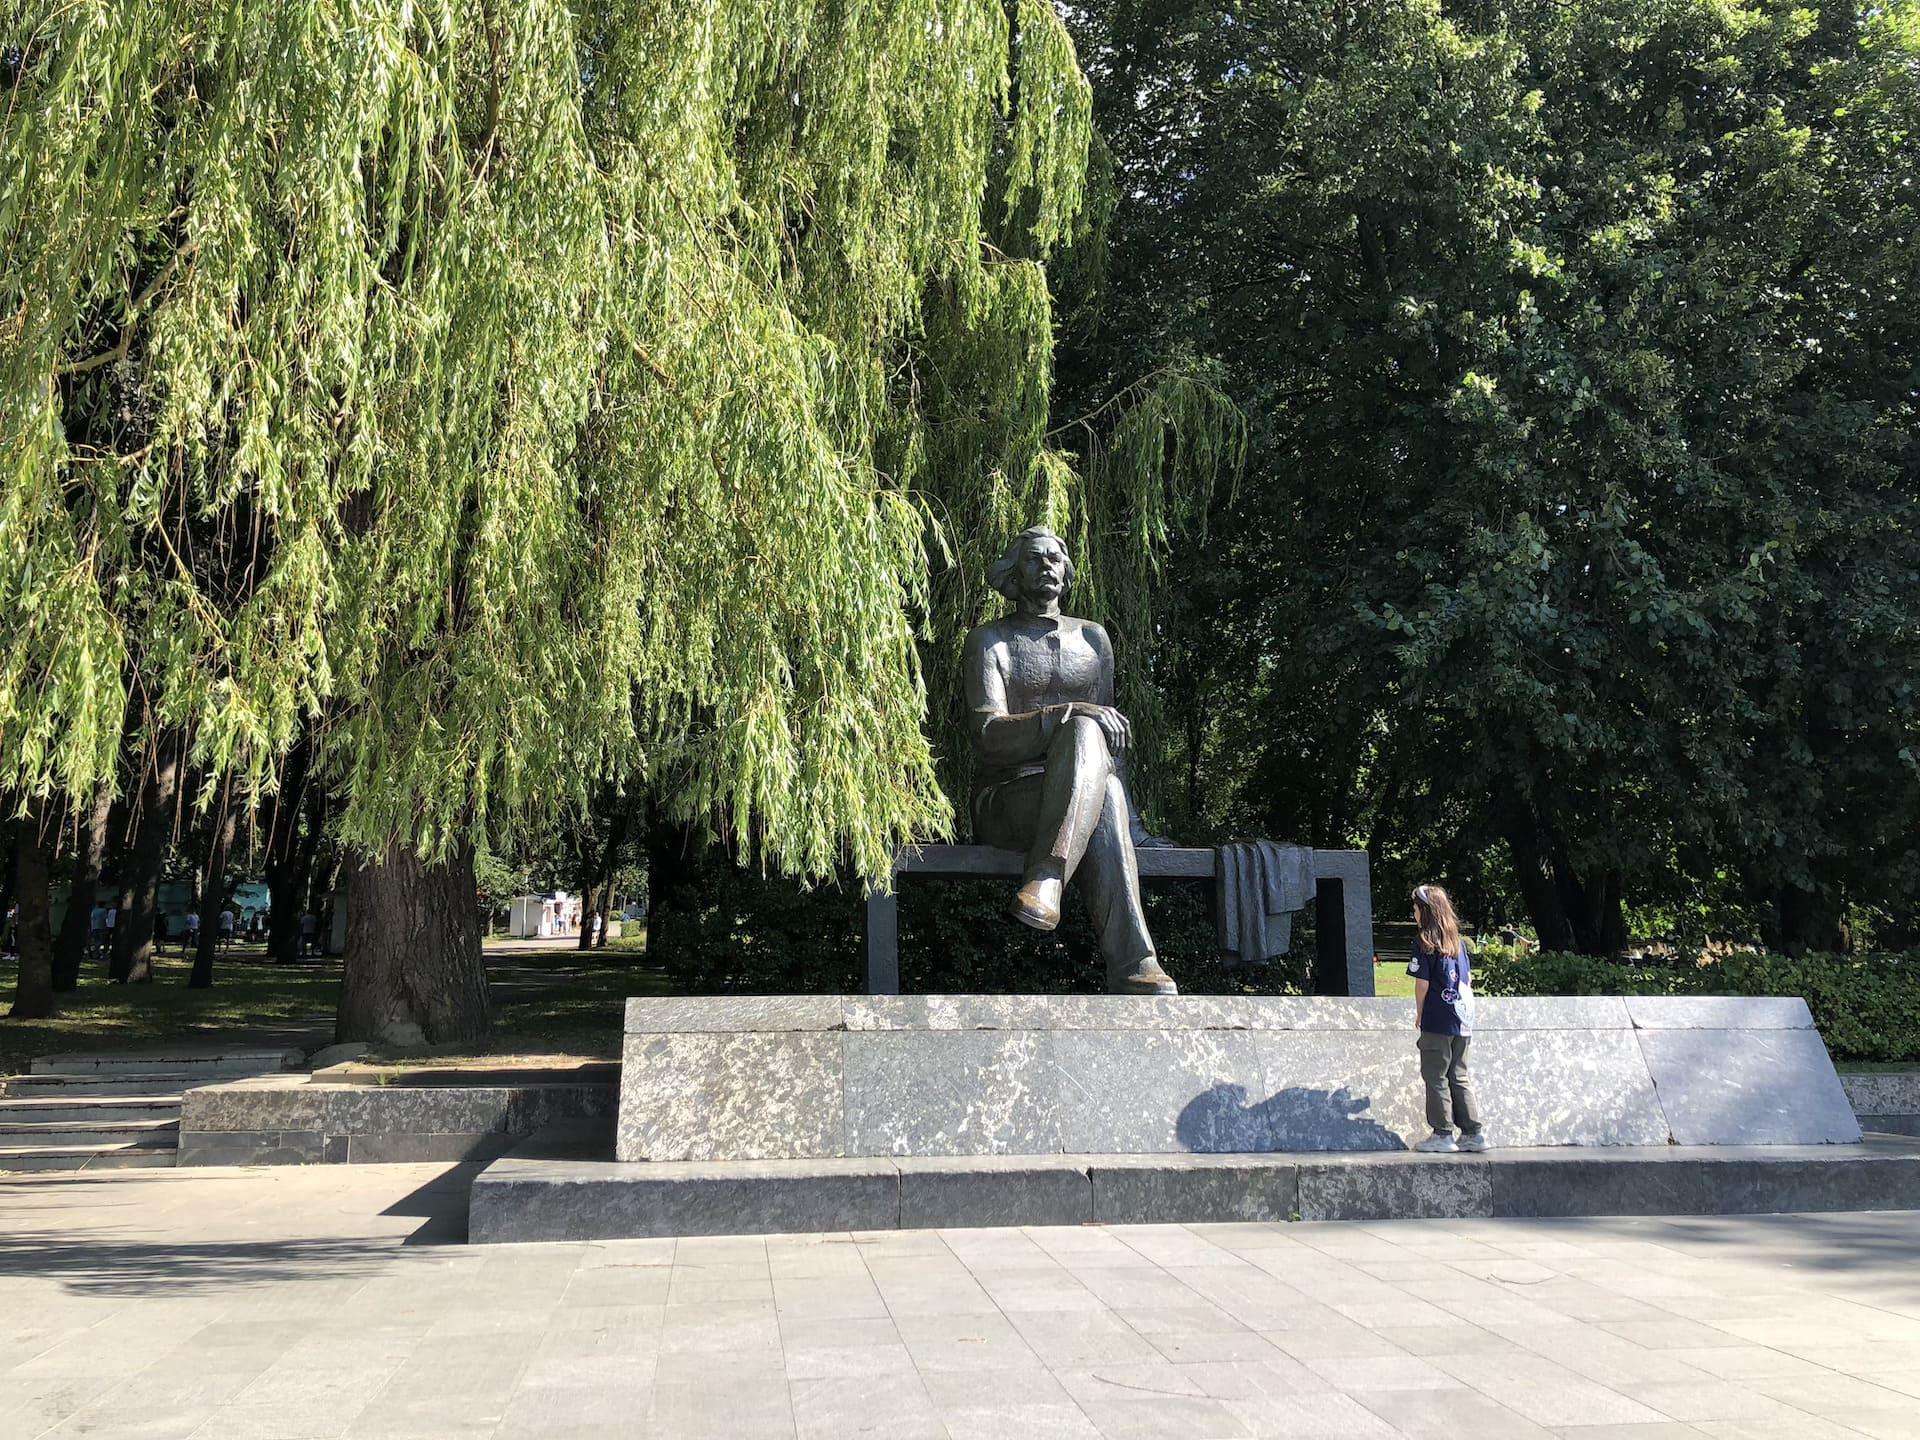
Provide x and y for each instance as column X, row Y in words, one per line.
column 1343, row 905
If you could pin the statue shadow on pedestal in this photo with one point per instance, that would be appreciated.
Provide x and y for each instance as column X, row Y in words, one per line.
column 1221, row 1121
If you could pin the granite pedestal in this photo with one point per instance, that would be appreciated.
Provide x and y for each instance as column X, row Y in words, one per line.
column 815, row 1077
column 756, row 1114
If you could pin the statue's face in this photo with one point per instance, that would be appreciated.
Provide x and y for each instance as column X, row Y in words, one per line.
column 1043, row 569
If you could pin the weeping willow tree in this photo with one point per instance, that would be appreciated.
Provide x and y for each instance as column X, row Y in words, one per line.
column 499, row 397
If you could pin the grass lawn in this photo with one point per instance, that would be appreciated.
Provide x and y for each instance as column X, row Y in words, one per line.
column 1392, row 979
column 546, row 1001
column 250, row 1000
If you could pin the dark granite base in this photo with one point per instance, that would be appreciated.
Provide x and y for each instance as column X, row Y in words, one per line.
column 564, row 1185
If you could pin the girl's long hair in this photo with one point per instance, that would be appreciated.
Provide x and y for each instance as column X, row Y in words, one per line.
column 1439, row 926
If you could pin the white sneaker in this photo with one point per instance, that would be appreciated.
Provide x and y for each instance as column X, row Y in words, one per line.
column 1473, row 1144
column 1437, row 1145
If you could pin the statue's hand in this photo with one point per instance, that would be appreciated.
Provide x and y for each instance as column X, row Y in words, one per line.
column 1113, row 725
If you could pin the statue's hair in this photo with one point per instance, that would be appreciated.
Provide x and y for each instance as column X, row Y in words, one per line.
column 1001, row 573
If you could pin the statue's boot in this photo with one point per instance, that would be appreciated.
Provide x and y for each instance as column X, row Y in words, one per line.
column 1037, row 903
column 1146, row 978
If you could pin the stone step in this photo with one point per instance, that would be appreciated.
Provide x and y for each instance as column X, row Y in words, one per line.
column 42, row 1110
column 17, row 1134
column 561, row 1184
column 226, row 1063
column 167, row 1084
column 84, row 1157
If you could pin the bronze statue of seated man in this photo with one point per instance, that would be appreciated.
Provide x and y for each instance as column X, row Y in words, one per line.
column 1051, row 772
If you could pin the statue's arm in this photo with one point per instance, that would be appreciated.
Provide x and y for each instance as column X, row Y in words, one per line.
column 1000, row 737
column 1103, row 649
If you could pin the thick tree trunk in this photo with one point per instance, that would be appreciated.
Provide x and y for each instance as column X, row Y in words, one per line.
column 70, row 951
column 213, row 889
column 1807, row 920
column 1537, row 885
column 413, row 973
column 133, row 931
column 676, row 884
column 33, row 991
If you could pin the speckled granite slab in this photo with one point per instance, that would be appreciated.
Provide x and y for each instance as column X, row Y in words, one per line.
column 821, row 1076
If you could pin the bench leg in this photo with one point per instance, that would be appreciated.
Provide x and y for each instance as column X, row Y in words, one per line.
column 1343, row 930
column 883, row 942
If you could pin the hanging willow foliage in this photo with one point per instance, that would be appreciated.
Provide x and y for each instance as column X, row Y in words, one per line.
column 514, row 393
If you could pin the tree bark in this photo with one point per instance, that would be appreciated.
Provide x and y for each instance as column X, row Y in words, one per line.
column 589, row 884
column 1806, row 920
column 213, row 889
column 676, row 883
column 300, row 881
column 285, row 851
column 605, row 907
column 413, row 974
column 33, row 989
column 133, row 930
column 1537, row 885
column 70, row 951
column 8, row 869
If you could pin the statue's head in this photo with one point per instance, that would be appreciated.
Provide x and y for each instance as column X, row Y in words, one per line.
column 1034, row 568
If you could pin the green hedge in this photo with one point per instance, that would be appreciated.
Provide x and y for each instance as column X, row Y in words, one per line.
column 1867, row 1006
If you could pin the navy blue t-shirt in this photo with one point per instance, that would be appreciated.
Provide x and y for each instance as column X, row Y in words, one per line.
column 1449, row 1007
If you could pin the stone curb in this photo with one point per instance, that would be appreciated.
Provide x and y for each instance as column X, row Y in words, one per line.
column 289, row 1120
column 538, row 1192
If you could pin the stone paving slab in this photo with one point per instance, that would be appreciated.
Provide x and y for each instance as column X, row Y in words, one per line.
column 338, row 1302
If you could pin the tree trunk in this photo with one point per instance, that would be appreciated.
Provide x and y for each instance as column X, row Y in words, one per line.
column 605, row 908
column 1537, row 885
column 8, row 869
column 676, row 884
column 76, row 929
column 133, row 931
column 213, row 889
column 589, row 888
column 1806, row 920
column 286, row 847
column 33, row 991
column 300, row 879
column 413, row 974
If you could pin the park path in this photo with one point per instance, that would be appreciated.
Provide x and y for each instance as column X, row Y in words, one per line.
column 340, row 1301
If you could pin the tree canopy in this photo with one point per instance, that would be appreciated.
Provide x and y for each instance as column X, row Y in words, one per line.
column 511, row 395
column 1578, row 552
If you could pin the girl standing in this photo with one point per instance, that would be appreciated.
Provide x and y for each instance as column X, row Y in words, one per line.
column 1443, row 1010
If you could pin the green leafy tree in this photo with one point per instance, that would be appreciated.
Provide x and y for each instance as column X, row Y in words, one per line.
column 1579, row 347
column 507, row 397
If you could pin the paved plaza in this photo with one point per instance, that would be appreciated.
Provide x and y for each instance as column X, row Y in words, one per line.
column 340, row 1301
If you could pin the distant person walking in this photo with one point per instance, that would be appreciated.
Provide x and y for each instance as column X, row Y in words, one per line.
column 97, row 926
column 1443, row 1010
column 309, row 934
column 193, row 931
column 225, row 924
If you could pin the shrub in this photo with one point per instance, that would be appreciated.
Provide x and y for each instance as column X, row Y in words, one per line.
column 1867, row 1006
